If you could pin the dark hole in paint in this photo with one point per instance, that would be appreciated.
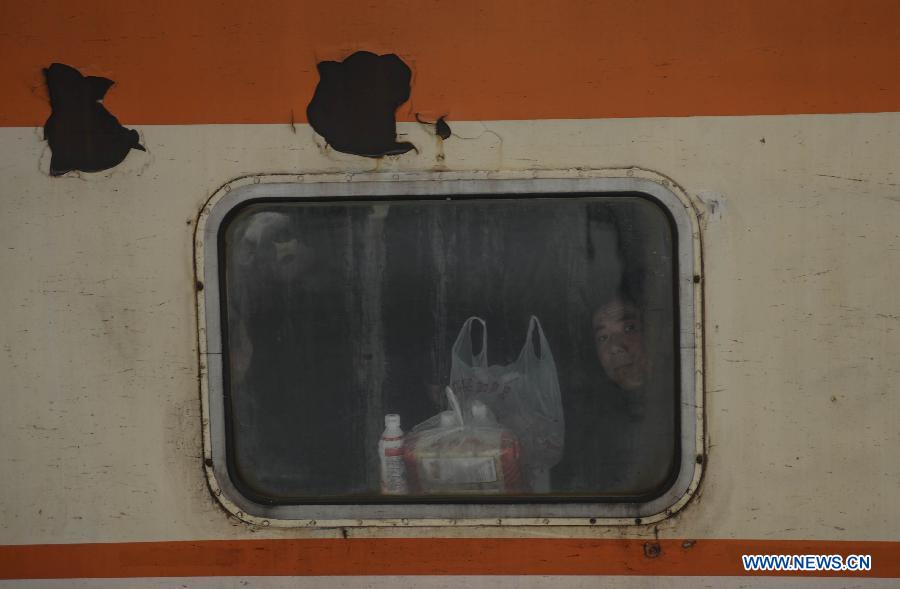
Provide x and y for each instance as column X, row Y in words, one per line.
column 82, row 134
column 355, row 101
column 441, row 128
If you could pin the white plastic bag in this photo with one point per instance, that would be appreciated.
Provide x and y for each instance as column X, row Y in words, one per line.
column 524, row 396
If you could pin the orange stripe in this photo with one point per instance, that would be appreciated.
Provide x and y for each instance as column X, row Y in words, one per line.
column 420, row 557
column 232, row 61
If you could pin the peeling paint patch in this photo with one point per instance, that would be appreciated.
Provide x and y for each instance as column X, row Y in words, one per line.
column 82, row 134
column 441, row 128
column 713, row 207
column 355, row 101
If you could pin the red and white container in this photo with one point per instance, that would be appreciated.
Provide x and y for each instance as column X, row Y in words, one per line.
column 390, row 453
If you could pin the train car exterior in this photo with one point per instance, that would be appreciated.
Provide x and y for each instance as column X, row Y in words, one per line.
column 138, row 138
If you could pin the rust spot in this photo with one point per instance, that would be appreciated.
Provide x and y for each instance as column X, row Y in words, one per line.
column 652, row 549
column 688, row 544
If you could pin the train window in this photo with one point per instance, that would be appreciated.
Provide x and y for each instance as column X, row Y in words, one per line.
column 417, row 354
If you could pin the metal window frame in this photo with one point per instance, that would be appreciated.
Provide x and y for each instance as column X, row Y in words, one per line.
column 385, row 186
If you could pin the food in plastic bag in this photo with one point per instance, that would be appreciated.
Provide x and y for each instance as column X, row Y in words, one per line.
column 524, row 396
column 453, row 453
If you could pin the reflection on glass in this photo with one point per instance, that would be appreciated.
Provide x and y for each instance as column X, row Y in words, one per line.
column 340, row 313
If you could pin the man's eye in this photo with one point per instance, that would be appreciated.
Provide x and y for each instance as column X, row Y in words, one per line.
column 630, row 327
column 602, row 338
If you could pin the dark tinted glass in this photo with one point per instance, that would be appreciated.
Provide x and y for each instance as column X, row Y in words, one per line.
column 338, row 313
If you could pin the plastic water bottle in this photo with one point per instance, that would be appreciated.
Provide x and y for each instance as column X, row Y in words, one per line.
column 390, row 452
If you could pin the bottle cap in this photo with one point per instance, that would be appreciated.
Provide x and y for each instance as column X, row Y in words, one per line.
column 392, row 420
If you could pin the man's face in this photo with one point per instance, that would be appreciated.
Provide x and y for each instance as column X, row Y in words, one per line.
column 620, row 346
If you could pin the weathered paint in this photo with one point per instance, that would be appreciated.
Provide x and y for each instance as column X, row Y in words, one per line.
column 441, row 128
column 82, row 134
column 233, row 62
column 100, row 353
column 354, row 104
column 419, row 556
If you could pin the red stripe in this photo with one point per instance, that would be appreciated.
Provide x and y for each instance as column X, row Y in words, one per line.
column 410, row 556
